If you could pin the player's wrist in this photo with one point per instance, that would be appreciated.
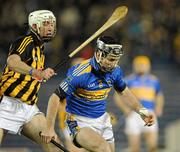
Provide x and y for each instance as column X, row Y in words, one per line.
column 143, row 112
column 35, row 73
column 31, row 71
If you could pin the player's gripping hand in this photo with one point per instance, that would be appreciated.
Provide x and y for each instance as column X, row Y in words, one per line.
column 47, row 135
column 41, row 75
column 147, row 116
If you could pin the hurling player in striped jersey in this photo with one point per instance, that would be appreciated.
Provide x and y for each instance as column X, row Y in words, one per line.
column 86, row 88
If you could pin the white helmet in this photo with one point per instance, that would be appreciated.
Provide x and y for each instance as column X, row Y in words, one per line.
column 38, row 18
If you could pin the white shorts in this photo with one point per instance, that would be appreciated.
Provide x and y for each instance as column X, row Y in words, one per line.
column 135, row 125
column 102, row 125
column 14, row 114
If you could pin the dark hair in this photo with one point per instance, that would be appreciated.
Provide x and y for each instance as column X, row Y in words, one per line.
column 108, row 40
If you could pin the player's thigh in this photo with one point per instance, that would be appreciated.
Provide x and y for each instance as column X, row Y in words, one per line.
column 2, row 134
column 31, row 130
column 134, row 141
column 112, row 146
column 92, row 141
column 33, row 127
column 151, row 138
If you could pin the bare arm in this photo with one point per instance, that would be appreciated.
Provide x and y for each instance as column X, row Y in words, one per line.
column 16, row 64
column 131, row 100
column 159, row 104
column 53, row 106
column 127, row 97
column 121, row 104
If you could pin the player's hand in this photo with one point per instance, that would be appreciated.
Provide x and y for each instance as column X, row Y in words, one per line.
column 41, row 75
column 47, row 135
column 48, row 73
column 147, row 116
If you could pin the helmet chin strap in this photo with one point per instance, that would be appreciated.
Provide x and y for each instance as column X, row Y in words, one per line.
column 42, row 39
column 37, row 35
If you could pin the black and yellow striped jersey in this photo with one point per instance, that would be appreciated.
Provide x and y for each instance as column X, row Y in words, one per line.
column 22, row 86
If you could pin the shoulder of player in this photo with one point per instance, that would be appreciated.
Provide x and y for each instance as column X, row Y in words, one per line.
column 22, row 42
column 117, row 70
column 81, row 69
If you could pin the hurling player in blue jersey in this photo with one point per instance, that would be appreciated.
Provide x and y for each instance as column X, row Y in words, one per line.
column 86, row 89
column 146, row 87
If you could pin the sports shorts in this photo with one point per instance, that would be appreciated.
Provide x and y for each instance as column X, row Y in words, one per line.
column 135, row 125
column 101, row 125
column 14, row 114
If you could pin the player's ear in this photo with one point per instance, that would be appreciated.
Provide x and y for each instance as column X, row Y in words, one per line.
column 97, row 55
column 34, row 26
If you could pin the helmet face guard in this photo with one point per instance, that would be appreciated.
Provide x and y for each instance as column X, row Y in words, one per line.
column 110, row 49
column 109, row 55
column 41, row 19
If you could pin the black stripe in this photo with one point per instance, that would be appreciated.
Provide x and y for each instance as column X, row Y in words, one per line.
column 1, row 98
column 14, row 85
column 33, row 92
column 24, row 90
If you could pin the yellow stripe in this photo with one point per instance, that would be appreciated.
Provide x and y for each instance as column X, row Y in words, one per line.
column 144, row 93
column 93, row 95
column 21, row 86
column 26, row 95
column 34, row 97
column 24, row 47
column 33, row 56
column 38, row 58
column 87, row 70
column 5, row 77
column 43, row 59
column 36, row 100
column 22, row 43
column 62, row 115
column 9, row 82
column 6, row 70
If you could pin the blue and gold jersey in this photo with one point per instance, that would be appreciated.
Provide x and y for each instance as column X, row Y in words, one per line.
column 86, row 88
column 145, row 88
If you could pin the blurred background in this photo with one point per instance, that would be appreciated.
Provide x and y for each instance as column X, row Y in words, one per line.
column 152, row 28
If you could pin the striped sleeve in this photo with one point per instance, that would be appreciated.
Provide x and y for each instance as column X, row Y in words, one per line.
column 70, row 83
column 22, row 47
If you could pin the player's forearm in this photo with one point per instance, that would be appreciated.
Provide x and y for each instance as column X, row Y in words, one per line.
column 131, row 100
column 160, row 101
column 159, row 105
column 121, row 104
column 52, row 110
column 14, row 62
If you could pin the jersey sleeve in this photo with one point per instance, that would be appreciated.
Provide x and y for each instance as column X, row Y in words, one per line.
column 22, row 47
column 119, row 83
column 68, row 85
